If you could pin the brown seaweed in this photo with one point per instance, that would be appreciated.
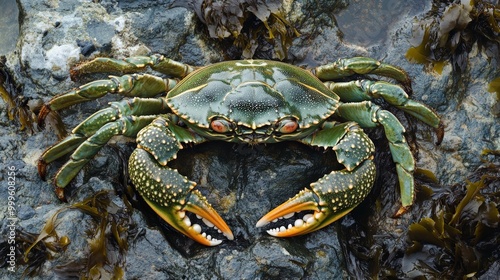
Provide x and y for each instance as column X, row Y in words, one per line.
column 450, row 30
column 460, row 239
column 250, row 24
column 107, row 235
column 17, row 105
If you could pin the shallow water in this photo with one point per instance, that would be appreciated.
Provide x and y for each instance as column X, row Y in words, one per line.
column 9, row 26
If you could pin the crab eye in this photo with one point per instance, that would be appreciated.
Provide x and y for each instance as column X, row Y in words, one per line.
column 287, row 126
column 221, row 126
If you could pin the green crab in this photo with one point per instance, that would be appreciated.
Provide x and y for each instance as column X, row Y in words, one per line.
column 243, row 101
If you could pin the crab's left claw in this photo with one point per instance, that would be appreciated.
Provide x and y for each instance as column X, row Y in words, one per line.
column 172, row 196
column 328, row 199
column 197, row 204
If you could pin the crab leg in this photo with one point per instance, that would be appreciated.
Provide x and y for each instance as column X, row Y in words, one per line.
column 127, row 85
column 134, row 64
column 169, row 193
column 365, row 90
column 345, row 67
column 127, row 126
column 370, row 115
column 95, row 131
column 338, row 192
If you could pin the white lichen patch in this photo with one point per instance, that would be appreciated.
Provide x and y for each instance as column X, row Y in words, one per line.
column 59, row 57
column 124, row 43
column 119, row 23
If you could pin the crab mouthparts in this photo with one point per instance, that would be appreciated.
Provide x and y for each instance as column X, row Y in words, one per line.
column 253, row 138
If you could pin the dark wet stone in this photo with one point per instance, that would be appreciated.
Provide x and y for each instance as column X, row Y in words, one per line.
column 25, row 212
column 86, row 47
column 9, row 23
column 241, row 182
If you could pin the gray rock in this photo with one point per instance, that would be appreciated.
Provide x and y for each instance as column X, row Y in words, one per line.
column 246, row 182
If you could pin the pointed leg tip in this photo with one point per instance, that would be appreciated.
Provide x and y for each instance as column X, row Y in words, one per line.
column 401, row 211
column 60, row 194
column 42, row 168
column 74, row 73
column 440, row 133
column 44, row 111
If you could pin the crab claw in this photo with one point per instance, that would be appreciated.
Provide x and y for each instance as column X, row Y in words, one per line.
column 172, row 195
column 306, row 200
column 198, row 205
column 330, row 198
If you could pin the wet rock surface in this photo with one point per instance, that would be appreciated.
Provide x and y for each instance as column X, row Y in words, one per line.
column 241, row 182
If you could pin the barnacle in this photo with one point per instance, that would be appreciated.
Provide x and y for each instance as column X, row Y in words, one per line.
column 248, row 23
column 450, row 30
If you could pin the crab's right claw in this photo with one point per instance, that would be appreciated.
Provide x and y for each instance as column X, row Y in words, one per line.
column 328, row 199
column 306, row 200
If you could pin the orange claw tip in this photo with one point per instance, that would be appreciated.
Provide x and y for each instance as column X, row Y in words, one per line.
column 309, row 223
column 305, row 200
column 211, row 219
column 402, row 210
column 195, row 231
column 179, row 219
column 284, row 210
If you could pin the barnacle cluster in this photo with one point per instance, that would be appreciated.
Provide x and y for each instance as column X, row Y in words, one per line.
column 451, row 28
column 250, row 24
